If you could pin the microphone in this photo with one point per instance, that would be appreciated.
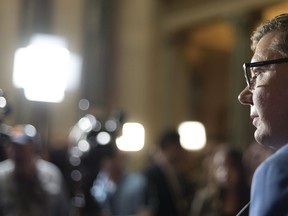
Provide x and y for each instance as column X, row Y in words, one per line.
column 243, row 209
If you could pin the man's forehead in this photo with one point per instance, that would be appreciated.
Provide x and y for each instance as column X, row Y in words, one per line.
column 267, row 48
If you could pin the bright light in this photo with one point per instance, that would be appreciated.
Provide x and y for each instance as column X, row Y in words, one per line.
column 87, row 123
column 43, row 69
column 133, row 137
column 192, row 135
column 103, row 138
column 30, row 130
column 3, row 102
column 83, row 145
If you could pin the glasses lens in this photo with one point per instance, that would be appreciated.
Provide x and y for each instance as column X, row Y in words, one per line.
column 247, row 73
column 251, row 71
column 250, row 76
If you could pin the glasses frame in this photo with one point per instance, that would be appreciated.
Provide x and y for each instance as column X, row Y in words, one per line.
column 247, row 66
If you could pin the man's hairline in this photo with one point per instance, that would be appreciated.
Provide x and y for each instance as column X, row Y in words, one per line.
column 276, row 44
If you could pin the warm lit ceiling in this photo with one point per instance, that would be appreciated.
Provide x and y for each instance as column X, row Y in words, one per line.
column 217, row 35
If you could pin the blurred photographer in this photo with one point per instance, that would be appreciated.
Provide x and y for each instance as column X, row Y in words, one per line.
column 29, row 185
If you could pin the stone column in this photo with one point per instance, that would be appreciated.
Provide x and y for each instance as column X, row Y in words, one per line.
column 174, row 83
column 97, row 28
column 136, row 56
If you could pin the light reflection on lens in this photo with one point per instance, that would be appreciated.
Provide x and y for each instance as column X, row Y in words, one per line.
column 85, row 124
column 84, row 104
column 74, row 161
column 83, row 145
column 111, row 125
column 3, row 102
column 76, row 175
column 30, row 130
column 75, row 151
column 103, row 138
column 79, row 200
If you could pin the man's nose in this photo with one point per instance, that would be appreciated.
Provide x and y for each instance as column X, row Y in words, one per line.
column 245, row 97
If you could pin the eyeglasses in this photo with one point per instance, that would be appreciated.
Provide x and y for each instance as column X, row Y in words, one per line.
column 251, row 76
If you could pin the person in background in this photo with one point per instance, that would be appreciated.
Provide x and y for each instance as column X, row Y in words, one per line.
column 227, row 190
column 171, row 190
column 29, row 185
column 117, row 190
column 267, row 95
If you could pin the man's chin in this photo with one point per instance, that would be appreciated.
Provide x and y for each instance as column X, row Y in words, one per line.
column 260, row 138
column 264, row 140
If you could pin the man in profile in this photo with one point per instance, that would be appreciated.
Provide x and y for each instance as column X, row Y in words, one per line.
column 267, row 95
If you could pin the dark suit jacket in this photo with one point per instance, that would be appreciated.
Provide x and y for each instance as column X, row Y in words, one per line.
column 164, row 199
column 269, row 192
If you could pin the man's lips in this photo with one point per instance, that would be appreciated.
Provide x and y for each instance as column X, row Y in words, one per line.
column 254, row 120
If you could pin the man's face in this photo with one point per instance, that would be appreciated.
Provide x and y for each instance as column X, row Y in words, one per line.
column 269, row 100
column 24, row 159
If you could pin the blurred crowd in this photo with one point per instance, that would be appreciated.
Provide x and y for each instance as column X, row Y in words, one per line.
column 99, row 182
column 31, row 185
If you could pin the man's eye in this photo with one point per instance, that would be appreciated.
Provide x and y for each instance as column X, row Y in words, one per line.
column 256, row 71
column 255, row 74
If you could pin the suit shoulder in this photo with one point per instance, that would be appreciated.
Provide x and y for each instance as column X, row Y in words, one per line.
column 276, row 162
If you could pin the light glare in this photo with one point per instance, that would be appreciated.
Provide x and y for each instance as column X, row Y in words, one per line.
column 3, row 102
column 103, row 138
column 30, row 130
column 87, row 123
column 83, row 145
column 133, row 137
column 44, row 69
column 192, row 135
